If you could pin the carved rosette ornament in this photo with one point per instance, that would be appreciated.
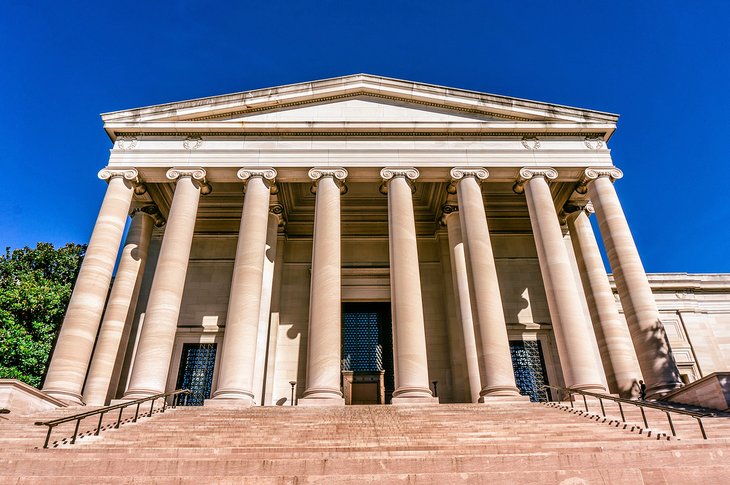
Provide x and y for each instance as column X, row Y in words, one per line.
column 531, row 142
column 593, row 173
column 126, row 142
column 192, row 142
column 389, row 173
column 594, row 143
column 130, row 174
column 528, row 173
column 268, row 175
column 338, row 174
column 195, row 173
column 458, row 173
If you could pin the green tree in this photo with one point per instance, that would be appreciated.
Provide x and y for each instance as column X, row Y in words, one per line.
column 35, row 287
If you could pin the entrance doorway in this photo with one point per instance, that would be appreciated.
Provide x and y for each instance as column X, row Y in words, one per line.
column 367, row 353
column 529, row 367
column 196, row 371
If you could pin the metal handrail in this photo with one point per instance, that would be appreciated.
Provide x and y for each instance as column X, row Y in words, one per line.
column 640, row 404
column 121, row 406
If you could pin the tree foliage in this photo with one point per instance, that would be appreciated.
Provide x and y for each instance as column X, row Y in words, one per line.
column 35, row 287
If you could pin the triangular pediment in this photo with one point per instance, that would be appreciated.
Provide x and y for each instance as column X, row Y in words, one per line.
column 360, row 109
column 356, row 99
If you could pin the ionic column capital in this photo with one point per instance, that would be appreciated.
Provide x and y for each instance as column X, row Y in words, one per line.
column 578, row 206
column 459, row 173
column 410, row 174
column 130, row 174
column 528, row 173
column 268, row 175
column 196, row 173
column 278, row 211
column 593, row 173
column 446, row 211
column 338, row 174
column 152, row 211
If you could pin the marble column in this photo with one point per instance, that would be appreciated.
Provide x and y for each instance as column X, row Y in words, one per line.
column 238, row 356
column 154, row 350
column 72, row 352
column 409, row 335
column 460, row 278
column 614, row 340
column 642, row 315
column 122, row 299
column 581, row 368
column 266, row 297
column 497, row 374
column 325, row 299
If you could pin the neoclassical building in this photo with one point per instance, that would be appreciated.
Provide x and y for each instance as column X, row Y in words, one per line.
column 370, row 240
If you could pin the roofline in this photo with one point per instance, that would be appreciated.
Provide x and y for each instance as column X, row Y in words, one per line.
column 310, row 85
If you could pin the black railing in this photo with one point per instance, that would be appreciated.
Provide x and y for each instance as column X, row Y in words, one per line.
column 176, row 396
column 667, row 410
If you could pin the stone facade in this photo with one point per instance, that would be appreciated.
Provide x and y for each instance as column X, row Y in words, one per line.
column 256, row 216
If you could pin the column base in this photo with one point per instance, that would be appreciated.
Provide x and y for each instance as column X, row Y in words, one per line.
column 493, row 399
column 414, row 401
column 69, row 398
column 321, row 401
column 491, row 392
column 226, row 403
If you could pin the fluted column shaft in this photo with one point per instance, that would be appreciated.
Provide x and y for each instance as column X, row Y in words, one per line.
column 642, row 315
column 460, row 280
column 238, row 357
column 614, row 339
column 323, row 344
column 154, row 351
column 580, row 366
column 116, row 317
column 72, row 352
column 409, row 336
column 497, row 376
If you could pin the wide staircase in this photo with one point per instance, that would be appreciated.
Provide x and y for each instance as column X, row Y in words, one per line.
column 449, row 443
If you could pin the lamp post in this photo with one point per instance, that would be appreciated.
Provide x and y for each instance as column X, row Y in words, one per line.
column 293, row 384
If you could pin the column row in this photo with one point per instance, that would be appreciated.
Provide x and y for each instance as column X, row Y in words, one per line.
column 479, row 300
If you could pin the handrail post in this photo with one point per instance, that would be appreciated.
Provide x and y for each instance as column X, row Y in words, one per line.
column 643, row 416
column 702, row 427
column 136, row 413
column 152, row 408
column 671, row 424
column 164, row 404
column 48, row 437
column 570, row 398
column 119, row 419
column 585, row 402
column 76, row 431
column 98, row 426
column 621, row 410
column 603, row 410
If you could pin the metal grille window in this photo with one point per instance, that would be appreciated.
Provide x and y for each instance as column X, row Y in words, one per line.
column 367, row 340
column 529, row 367
column 362, row 352
column 196, row 371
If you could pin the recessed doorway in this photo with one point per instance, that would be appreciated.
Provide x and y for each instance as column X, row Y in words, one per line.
column 367, row 353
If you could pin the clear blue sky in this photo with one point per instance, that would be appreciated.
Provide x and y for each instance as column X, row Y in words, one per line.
column 664, row 66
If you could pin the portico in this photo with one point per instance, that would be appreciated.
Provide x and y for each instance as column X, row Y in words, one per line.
column 255, row 216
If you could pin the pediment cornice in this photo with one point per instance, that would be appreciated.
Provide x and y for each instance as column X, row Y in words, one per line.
column 205, row 115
